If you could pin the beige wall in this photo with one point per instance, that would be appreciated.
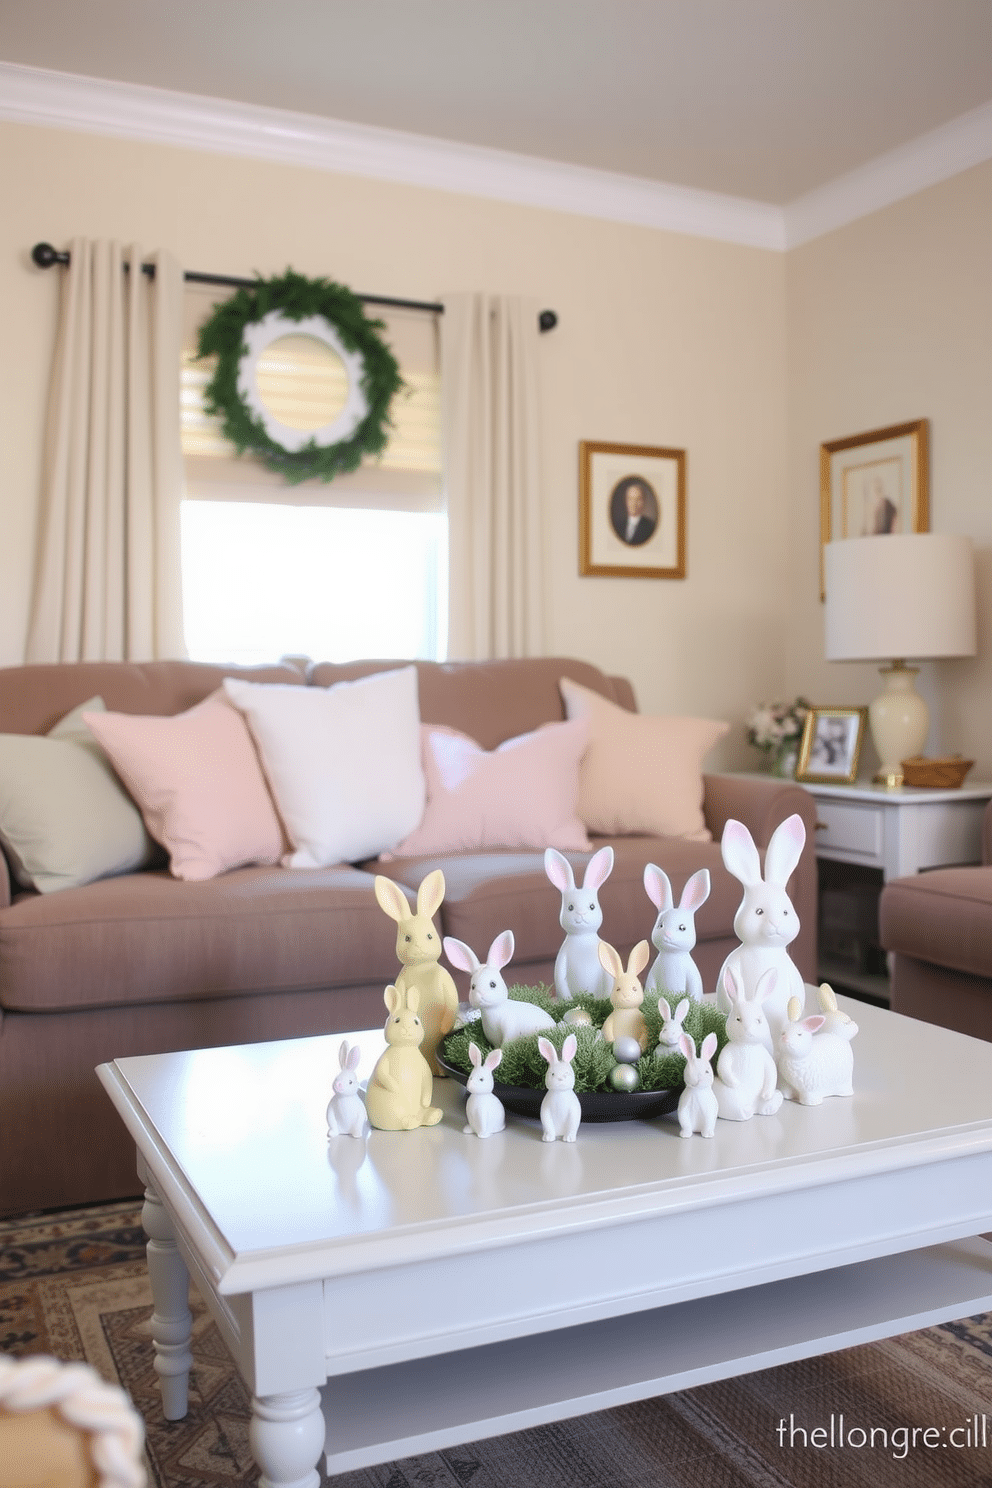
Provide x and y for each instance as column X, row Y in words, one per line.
column 890, row 320
column 663, row 339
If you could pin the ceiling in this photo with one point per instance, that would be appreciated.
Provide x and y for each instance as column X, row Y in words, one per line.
column 761, row 99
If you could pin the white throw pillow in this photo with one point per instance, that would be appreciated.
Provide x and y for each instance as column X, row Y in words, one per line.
column 342, row 762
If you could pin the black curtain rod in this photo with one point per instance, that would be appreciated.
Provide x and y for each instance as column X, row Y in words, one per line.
column 45, row 256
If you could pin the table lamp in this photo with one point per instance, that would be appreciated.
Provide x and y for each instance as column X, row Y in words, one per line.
column 896, row 597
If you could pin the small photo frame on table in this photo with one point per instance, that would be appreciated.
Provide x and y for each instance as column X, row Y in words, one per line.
column 875, row 483
column 631, row 511
column 831, row 746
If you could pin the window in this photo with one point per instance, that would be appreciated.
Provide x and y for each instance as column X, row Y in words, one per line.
column 351, row 569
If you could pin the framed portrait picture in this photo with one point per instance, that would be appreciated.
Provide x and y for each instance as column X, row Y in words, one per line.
column 874, row 483
column 831, row 745
column 631, row 511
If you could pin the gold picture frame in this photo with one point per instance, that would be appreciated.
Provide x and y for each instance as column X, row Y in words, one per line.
column 831, row 746
column 631, row 511
column 874, row 483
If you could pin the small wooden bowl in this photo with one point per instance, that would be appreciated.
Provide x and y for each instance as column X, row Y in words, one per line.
column 943, row 773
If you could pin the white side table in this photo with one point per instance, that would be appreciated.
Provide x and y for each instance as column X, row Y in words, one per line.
column 900, row 831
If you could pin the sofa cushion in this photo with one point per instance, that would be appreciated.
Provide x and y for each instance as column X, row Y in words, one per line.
column 151, row 938
column 943, row 916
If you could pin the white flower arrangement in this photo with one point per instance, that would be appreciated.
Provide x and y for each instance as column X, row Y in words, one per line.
column 772, row 725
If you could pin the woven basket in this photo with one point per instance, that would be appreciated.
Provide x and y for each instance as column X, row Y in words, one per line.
column 939, row 774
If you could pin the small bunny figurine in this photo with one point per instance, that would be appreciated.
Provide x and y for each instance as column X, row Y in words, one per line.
column 746, row 1075
column 835, row 1021
column 671, row 1025
column 483, row 1110
column 346, row 1112
column 577, row 968
column 502, row 1019
column 697, row 1103
column 626, row 994
column 418, row 947
column 399, row 1092
column 766, row 921
column 560, row 1109
column 674, row 933
column 812, row 1068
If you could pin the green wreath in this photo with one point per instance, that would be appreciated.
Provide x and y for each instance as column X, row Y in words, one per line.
column 297, row 298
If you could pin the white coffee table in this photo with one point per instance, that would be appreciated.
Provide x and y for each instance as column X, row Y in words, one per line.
column 408, row 1293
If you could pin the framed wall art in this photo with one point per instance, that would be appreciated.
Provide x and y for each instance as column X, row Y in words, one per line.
column 631, row 511
column 831, row 745
column 875, row 483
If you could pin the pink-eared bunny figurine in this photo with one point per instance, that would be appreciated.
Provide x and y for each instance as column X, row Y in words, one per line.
column 766, row 922
column 560, row 1109
column 503, row 1017
column 746, row 1076
column 418, row 946
column 698, row 1108
column 577, row 967
column 483, row 1110
column 674, row 933
column 346, row 1113
column 626, row 994
column 399, row 1092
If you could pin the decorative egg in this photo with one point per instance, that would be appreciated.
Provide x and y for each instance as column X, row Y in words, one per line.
column 578, row 1017
column 626, row 1049
column 624, row 1077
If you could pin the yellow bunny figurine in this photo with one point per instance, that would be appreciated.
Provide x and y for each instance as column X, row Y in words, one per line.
column 398, row 1097
column 418, row 947
column 626, row 1020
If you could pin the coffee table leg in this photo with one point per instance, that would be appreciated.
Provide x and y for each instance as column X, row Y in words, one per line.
column 287, row 1437
column 172, row 1324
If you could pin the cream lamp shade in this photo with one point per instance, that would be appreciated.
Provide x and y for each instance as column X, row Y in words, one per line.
column 899, row 597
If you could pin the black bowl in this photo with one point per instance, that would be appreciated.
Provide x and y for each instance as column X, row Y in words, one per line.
column 597, row 1105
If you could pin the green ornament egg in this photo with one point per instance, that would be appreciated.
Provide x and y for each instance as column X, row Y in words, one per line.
column 578, row 1017
column 624, row 1077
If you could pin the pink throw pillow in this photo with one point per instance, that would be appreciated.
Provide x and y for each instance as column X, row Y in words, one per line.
column 520, row 795
column 198, row 784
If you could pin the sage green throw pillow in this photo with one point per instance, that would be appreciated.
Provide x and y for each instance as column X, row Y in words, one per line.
column 65, row 818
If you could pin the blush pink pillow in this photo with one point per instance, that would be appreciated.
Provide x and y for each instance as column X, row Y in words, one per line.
column 521, row 795
column 198, row 784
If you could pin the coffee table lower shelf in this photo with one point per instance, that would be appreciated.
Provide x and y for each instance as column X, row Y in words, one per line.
column 379, row 1415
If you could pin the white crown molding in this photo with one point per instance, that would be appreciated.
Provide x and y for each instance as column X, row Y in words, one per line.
column 30, row 95
column 926, row 161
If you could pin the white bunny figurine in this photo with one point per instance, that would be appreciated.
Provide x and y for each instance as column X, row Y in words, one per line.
column 483, row 1110
column 502, row 1018
column 672, row 1032
column 674, row 933
column 766, row 921
column 560, row 1109
column 626, row 994
column 346, row 1113
column 746, row 1075
column 810, row 1069
column 834, row 1020
column 577, row 967
column 697, row 1103
column 418, row 947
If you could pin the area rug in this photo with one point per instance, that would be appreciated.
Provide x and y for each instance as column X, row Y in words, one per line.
column 915, row 1410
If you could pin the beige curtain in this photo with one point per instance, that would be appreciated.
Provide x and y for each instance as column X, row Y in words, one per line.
column 490, row 423
column 108, row 582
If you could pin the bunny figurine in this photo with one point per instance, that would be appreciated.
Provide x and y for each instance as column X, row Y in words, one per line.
column 483, row 1110
column 670, row 1037
column 346, row 1112
column 697, row 1103
column 812, row 1068
column 418, row 947
column 502, row 1019
column 560, row 1109
column 835, row 1021
column 399, row 1092
column 577, row 968
column 626, row 994
column 766, row 922
column 674, row 933
column 746, row 1075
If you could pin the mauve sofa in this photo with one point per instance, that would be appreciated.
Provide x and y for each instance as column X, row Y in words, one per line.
column 937, row 927
column 144, row 963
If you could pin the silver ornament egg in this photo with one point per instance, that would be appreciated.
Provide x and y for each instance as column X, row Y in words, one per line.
column 578, row 1017
column 626, row 1049
column 624, row 1077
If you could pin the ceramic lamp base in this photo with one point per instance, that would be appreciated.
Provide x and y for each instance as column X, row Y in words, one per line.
column 899, row 720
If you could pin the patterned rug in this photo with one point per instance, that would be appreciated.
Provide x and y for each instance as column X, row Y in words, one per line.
column 915, row 1410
